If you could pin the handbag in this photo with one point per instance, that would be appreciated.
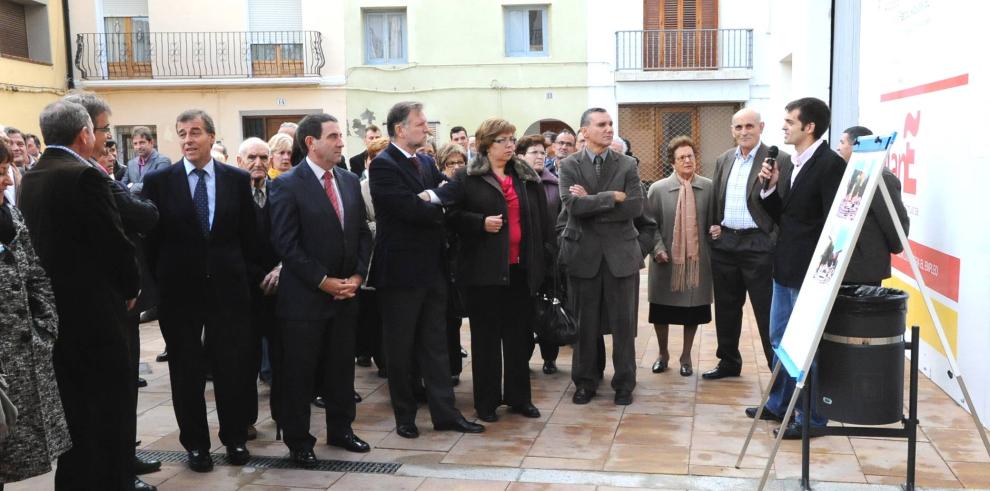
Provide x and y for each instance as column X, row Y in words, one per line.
column 8, row 413
column 552, row 321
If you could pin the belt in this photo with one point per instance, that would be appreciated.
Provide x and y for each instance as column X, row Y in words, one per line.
column 740, row 231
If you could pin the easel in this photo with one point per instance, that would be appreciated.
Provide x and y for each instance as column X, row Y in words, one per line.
column 803, row 385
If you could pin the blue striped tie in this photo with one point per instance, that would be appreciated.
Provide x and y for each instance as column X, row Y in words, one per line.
column 201, row 202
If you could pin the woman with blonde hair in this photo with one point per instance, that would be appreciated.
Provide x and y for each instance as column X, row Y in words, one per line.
column 281, row 159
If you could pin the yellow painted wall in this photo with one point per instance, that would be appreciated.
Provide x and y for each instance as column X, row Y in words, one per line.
column 918, row 315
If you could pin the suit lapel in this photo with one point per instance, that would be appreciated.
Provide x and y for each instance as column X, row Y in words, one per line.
column 609, row 170
column 587, row 169
column 753, row 183
column 412, row 172
column 806, row 169
column 180, row 186
column 312, row 186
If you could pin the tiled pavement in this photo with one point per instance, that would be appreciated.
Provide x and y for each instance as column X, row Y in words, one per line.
column 680, row 433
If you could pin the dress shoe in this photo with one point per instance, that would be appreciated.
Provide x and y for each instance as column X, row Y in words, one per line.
column 527, row 410
column 488, row 417
column 382, row 373
column 686, row 370
column 162, row 357
column 149, row 315
column 141, row 382
column 583, row 396
column 319, row 402
column 720, row 372
column 455, row 380
column 200, row 460
column 462, row 425
column 766, row 415
column 407, row 430
column 550, row 367
column 357, row 397
column 304, row 458
column 623, row 397
column 793, row 431
column 252, row 433
column 238, row 454
column 464, row 353
column 659, row 366
column 349, row 442
column 146, row 466
column 140, row 485
column 363, row 361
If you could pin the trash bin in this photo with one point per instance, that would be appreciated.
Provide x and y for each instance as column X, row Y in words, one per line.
column 861, row 357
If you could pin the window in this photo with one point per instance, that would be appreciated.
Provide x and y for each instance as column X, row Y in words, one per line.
column 385, row 37
column 680, row 34
column 24, row 30
column 276, row 38
column 128, row 47
column 526, row 31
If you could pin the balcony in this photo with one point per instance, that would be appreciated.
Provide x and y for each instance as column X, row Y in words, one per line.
column 675, row 50
column 217, row 58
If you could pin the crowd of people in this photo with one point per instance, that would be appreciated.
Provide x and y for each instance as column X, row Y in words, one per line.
column 294, row 265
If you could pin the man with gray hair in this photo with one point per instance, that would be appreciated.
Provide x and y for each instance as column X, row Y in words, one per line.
column 77, row 233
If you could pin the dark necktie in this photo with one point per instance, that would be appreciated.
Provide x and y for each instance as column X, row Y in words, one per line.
column 201, row 202
column 332, row 195
column 598, row 166
column 259, row 197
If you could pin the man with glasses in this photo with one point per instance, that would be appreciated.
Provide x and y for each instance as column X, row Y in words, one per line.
column 563, row 146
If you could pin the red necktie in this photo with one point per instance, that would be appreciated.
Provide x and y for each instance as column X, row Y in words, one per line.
column 332, row 194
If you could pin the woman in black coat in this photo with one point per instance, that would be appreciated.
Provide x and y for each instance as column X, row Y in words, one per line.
column 505, row 235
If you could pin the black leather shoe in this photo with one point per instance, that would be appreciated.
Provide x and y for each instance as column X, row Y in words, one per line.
column 527, row 410
column 349, row 442
column 200, row 460
column 549, row 367
column 407, row 430
column 252, row 433
column 319, row 402
column 583, row 396
column 140, row 485
column 304, row 458
column 766, row 415
column 382, row 373
column 143, row 466
column 623, row 397
column 148, row 315
column 455, row 380
column 162, row 357
column 238, row 454
column 720, row 372
column 659, row 366
column 363, row 361
column 488, row 417
column 357, row 397
column 464, row 353
column 462, row 425
column 141, row 382
column 793, row 431
column 686, row 370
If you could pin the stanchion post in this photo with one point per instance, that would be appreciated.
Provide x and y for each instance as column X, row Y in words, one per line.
column 780, row 436
column 805, row 436
column 759, row 412
column 912, row 422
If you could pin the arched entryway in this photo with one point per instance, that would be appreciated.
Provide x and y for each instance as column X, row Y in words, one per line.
column 544, row 125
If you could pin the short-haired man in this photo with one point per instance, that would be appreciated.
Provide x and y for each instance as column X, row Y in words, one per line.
column 408, row 273
column 18, row 147
column 742, row 235
column 33, row 146
column 77, row 233
column 147, row 159
column 200, row 254
column 357, row 162
column 870, row 263
column 798, row 200
column 563, row 146
column 602, row 196
column 459, row 135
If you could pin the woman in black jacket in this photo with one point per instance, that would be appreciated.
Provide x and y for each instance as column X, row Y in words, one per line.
column 505, row 234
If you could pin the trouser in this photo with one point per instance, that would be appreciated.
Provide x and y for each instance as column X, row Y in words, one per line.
column 454, row 321
column 369, row 327
column 262, row 324
column 734, row 274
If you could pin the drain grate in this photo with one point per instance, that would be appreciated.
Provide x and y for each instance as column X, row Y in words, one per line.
column 260, row 462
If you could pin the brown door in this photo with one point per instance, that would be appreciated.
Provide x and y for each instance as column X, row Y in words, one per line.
column 680, row 34
column 128, row 47
column 277, row 60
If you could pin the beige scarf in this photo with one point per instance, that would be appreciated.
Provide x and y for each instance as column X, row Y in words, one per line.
column 685, row 252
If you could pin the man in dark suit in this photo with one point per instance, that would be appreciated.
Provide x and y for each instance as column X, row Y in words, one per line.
column 200, row 254
column 602, row 196
column 742, row 241
column 799, row 199
column 138, row 217
column 77, row 233
column 408, row 272
column 320, row 230
column 357, row 161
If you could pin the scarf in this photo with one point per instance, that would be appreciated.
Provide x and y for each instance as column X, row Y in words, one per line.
column 685, row 252
column 273, row 173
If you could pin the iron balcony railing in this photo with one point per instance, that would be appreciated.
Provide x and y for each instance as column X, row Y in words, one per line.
column 684, row 49
column 199, row 55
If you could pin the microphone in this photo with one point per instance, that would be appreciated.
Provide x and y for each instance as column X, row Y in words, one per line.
column 772, row 160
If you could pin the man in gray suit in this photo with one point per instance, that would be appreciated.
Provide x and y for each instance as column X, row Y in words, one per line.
column 147, row 160
column 743, row 237
column 602, row 195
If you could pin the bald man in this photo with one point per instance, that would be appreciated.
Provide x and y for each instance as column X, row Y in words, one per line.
column 743, row 237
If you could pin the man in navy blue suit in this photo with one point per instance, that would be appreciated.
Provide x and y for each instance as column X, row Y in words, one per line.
column 200, row 254
column 407, row 271
column 320, row 230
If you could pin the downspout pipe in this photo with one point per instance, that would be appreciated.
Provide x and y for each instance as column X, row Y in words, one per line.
column 70, row 82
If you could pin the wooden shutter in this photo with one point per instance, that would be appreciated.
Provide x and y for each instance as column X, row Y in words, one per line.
column 13, row 29
column 681, row 45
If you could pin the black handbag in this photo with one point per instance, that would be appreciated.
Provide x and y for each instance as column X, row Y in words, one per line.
column 552, row 322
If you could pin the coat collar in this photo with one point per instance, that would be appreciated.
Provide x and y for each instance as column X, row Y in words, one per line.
column 481, row 166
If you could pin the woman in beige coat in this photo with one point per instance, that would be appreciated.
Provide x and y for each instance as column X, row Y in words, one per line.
column 680, row 284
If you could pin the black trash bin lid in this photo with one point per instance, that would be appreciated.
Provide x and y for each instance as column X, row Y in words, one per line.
column 867, row 298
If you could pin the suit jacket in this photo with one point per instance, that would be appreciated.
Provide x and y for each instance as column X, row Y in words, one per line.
column 200, row 274
column 800, row 211
column 308, row 236
column 357, row 163
column 77, row 233
column 410, row 238
column 133, row 178
column 720, row 181
column 878, row 239
column 119, row 171
column 265, row 256
column 597, row 227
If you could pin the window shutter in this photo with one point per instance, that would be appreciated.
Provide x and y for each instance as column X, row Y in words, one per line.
column 274, row 15
column 125, row 8
column 672, row 14
column 518, row 33
column 13, row 29
column 709, row 14
column 651, row 14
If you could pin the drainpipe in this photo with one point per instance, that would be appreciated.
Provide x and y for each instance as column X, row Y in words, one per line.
column 69, row 79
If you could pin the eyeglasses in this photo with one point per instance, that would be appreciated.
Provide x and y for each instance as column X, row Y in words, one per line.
column 686, row 157
column 504, row 139
column 104, row 129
